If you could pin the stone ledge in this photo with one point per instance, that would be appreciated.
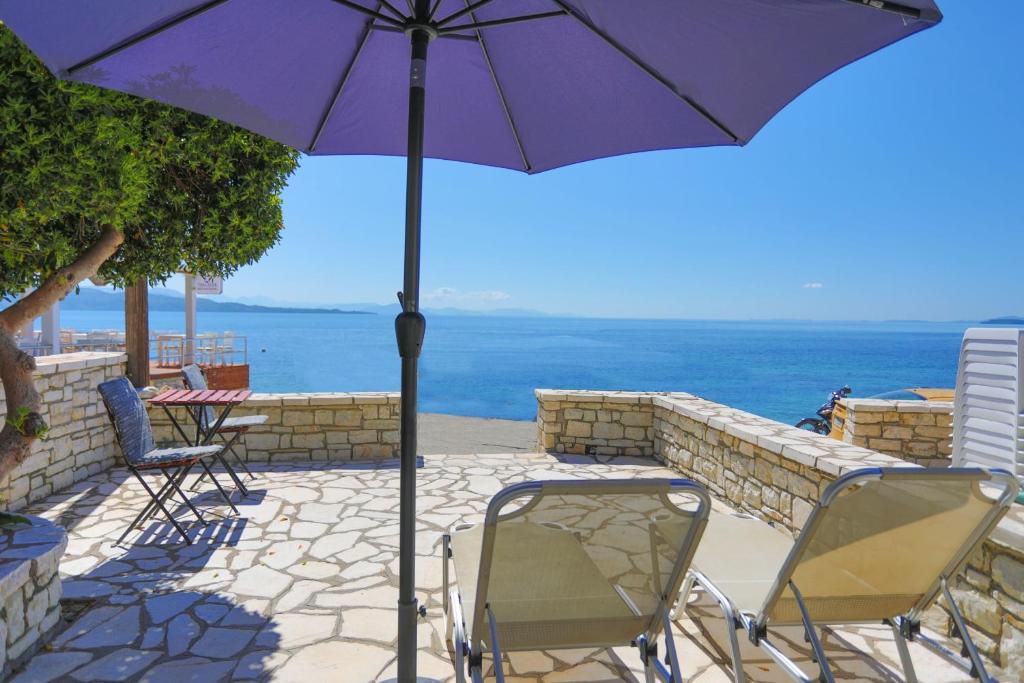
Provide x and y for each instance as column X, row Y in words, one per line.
column 882, row 405
column 806, row 448
column 79, row 360
column 584, row 396
column 322, row 399
column 30, row 588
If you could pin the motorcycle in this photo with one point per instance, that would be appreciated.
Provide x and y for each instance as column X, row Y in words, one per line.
column 822, row 424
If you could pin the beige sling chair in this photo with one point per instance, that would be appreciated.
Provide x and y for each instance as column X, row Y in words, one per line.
column 879, row 547
column 567, row 564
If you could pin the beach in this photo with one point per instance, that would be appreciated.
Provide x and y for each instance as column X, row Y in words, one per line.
column 440, row 434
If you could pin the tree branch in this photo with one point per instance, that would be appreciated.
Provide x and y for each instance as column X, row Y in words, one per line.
column 24, row 423
column 58, row 285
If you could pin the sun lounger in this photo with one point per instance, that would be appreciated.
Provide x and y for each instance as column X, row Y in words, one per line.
column 566, row 564
column 880, row 546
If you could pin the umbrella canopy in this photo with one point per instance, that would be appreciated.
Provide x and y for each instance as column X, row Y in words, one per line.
column 587, row 79
column 522, row 84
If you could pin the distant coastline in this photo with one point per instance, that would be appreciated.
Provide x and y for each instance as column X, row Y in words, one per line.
column 1005, row 320
column 89, row 299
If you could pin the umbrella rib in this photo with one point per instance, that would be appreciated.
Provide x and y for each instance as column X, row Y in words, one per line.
column 470, row 8
column 499, row 22
column 649, row 70
column 369, row 12
column 501, row 96
column 394, row 10
column 887, row 6
column 341, row 84
column 138, row 38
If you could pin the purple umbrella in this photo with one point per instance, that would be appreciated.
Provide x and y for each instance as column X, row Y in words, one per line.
column 522, row 84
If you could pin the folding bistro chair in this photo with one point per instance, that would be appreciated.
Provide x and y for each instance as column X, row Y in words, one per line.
column 135, row 437
column 193, row 377
column 880, row 546
column 567, row 564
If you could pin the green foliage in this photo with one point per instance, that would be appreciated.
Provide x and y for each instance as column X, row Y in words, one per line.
column 19, row 419
column 8, row 519
column 188, row 192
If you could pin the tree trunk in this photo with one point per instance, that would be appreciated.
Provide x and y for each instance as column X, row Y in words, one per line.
column 24, row 423
column 136, row 332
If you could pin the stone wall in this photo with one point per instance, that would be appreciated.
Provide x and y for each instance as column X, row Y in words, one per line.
column 595, row 423
column 30, row 589
column 761, row 466
column 778, row 472
column 80, row 442
column 920, row 432
column 310, row 426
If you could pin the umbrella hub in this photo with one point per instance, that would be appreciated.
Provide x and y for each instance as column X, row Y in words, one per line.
column 412, row 26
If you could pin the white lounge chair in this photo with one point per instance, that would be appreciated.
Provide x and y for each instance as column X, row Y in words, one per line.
column 567, row 564
column 988, row 410
column 880, row 546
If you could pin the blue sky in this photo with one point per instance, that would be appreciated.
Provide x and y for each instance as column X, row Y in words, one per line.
column 893, row 189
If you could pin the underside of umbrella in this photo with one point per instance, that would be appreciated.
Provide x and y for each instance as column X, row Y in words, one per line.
column 522, row 84
column 528, row 85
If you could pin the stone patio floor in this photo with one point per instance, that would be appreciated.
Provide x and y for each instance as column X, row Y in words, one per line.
column 302, row 585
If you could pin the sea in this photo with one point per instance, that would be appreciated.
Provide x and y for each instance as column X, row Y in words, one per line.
column 488, row 366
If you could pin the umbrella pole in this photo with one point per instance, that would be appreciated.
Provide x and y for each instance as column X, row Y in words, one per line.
column 410, row 326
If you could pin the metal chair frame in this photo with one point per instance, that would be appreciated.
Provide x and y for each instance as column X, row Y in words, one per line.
column 469, row 659
column 203, row 418
column 175, row 473
column 905, row 628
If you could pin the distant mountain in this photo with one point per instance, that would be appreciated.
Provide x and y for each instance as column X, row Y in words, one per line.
column 1005, row 320
column 166, row 299
column 394, row 309
column 93, row 299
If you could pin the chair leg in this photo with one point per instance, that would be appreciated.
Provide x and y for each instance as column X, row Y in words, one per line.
column 223, row 493
column 812, row 637
column 977, row 666
column 172, row 479
column 458, row 638
column 909, row 675
column 148, row 512
column 229, row 445
column 499, row 670
column 670, row 649
column 684, row 596
column 231, row 473
column 732, row 623
column 163, row 509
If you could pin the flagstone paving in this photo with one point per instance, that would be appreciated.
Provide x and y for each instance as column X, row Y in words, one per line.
column 302, row 585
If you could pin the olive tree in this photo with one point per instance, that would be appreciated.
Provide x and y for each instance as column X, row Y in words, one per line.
column 98, row 182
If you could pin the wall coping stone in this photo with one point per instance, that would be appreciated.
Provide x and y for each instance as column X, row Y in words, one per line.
column 64, row 362
column 30, row 588
column 902, row 406
column 583, row 396
column 25, row 549
column 267, row 400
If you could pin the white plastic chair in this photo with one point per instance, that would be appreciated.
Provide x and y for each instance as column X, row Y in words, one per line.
column 988, row 415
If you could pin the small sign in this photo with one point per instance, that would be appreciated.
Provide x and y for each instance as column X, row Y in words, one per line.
column 209, row 285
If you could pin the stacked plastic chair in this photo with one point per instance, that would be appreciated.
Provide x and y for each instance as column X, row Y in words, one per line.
column 988, row 415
